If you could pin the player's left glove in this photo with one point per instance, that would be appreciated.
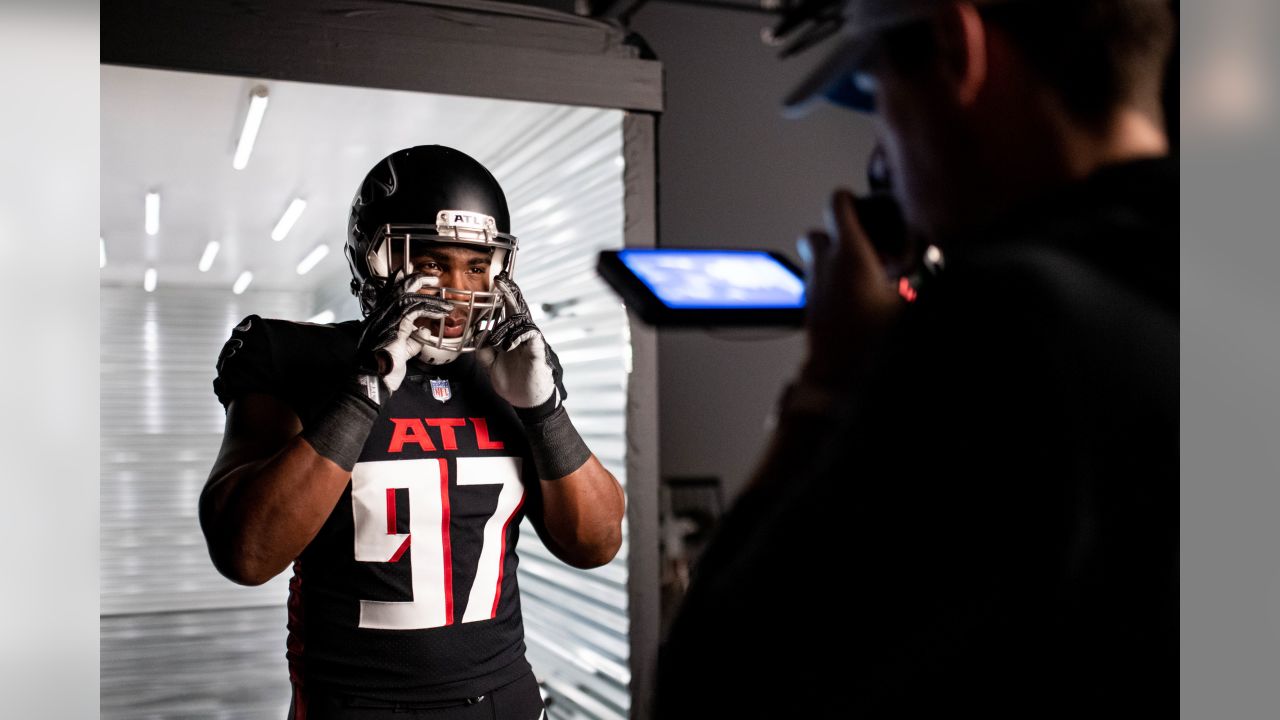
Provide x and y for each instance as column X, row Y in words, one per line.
column 524, row 369
column 526, row 373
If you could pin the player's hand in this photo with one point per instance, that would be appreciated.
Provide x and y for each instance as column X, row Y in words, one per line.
column 850, row 298
column 386, row 339
column 522, row 366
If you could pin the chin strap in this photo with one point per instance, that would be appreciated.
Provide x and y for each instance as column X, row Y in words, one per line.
column 437, row 356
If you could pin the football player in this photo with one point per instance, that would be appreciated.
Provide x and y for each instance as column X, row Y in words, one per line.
column 389, row 461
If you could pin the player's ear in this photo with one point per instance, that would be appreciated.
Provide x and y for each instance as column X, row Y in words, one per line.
column 961, row 39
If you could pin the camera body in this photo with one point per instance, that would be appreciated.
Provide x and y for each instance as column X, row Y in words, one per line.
column 881, row 218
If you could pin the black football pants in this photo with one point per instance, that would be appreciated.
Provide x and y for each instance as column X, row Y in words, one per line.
column 517, row 700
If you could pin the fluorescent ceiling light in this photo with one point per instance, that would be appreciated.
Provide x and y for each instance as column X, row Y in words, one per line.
column 153, row 213
column 210, row 252
column 149, row 280
column 312, row 258
column 242, row 282
column 102, row 253
column 252, row 121
column 288, row 219
column 324, row 317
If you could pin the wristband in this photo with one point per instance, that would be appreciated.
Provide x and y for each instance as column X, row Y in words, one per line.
column 556, row 446
column 340, row 432
column 535, row 415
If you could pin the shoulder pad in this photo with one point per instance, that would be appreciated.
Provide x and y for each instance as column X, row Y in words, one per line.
column 291, row 360
column 245, row 363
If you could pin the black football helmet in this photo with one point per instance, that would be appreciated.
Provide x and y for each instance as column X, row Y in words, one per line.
column 434, row 194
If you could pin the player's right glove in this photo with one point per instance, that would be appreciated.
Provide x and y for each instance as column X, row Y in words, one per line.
column 386, row 339
column 385, row 346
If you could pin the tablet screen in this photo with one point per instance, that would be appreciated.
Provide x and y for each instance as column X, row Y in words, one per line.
column 716, row 279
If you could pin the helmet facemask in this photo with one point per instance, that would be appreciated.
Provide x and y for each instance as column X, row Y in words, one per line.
column 392, row 252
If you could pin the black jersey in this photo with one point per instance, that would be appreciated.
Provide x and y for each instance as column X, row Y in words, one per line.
column 408, row 592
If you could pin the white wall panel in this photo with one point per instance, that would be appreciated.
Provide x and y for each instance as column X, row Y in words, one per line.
column 161, row 428
column 565, row 189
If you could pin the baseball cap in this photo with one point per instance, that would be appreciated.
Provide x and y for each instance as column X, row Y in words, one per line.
column 861, row 21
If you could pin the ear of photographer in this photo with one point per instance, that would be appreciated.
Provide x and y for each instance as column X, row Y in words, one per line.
column 970, row 501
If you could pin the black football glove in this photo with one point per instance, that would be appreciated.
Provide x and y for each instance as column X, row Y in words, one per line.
column 386, row 338
column 526, row 373
column 386, row 344
column 524, row 369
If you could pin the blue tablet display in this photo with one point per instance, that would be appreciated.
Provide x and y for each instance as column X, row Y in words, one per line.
column 716, row 279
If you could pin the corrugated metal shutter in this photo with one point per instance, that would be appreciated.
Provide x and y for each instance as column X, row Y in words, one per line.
column 178, row 639
column 161, row 427
column 565, row 189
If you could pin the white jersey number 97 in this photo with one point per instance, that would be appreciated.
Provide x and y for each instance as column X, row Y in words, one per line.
column 373, row 503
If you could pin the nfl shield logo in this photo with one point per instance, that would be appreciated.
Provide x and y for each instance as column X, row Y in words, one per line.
column 440, row 390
